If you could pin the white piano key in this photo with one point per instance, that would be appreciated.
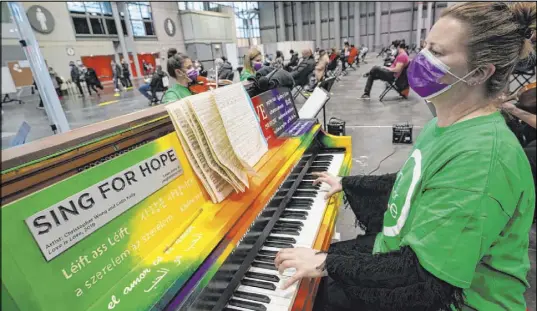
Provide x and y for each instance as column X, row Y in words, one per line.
column 274, row 301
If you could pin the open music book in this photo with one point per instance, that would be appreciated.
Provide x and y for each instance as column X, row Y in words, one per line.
column 220, row 133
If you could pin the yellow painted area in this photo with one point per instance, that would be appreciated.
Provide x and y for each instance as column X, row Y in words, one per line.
column 109, row 102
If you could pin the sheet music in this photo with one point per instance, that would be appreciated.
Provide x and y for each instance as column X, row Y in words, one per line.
column 212, row 160
column 218, row 185
column 314, row 104
column 204, row 107
column 240, row 122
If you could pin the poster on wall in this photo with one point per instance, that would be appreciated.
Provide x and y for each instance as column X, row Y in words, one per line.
column 102, row 239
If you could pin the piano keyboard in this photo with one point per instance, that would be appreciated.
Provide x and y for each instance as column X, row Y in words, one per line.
column 298, row 224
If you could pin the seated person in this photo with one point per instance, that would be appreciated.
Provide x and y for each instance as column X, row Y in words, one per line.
column 333, row 59
column 345, row 52
column 156, row 84
column 225, row 70
column 179, row 67
column 253, row 61
column 353, row 55
column 305, row 68
column 293, row 62
column 320, row 67
column 387, row 74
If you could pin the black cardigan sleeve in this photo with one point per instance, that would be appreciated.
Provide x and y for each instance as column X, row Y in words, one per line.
column 391, row 281
column 368, row 198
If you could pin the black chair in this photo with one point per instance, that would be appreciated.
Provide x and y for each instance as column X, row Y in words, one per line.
column 522, row 78
column 400, row 84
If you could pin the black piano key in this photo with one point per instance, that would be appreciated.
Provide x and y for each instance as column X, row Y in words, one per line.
column 267, row 259
column 278, row 245
column 321, row 163
column 301, row 201
column 309, row 177
column 294, row 232
column 308, row 186
column 262, row 276
column 267, row 253
column 287, row 227
column 307, row 194
column 281, row 239
column 332, row 150
column 253, row 296
column 286, row 213
column 324, row 158
column 259, row 284
column 289, row 224
column 247, row 305
column 318, row 169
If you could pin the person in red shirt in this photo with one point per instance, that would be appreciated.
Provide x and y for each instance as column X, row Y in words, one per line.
column 352, row 54
column 387, row 74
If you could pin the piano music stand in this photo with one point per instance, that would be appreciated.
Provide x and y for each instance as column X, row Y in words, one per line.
column 326, row 84
column 312, row 107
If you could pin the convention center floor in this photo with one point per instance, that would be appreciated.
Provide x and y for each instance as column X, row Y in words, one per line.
column 368, row 122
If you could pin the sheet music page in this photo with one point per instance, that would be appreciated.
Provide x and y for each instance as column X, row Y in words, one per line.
column 314, row 104
column 206, row 113
column 220, row 187
column 193, row 162
column 212, row 160
column 241, row 123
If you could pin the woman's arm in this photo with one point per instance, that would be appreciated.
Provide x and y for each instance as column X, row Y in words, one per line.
column 392, row 281
column 368, row 198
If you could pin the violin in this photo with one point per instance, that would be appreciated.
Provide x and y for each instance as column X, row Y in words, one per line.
column 204, row 84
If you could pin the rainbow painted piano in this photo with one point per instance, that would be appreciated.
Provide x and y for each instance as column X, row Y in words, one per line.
column 112, row 217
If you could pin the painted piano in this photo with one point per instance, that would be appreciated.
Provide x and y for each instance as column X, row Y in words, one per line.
column 112, row 217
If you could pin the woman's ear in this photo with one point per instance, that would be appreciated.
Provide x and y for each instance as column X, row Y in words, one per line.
column 482, row 74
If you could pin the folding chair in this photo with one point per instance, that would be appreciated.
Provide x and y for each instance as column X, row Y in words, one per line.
column 298, row 90
column 400, row 85
column 522, row 78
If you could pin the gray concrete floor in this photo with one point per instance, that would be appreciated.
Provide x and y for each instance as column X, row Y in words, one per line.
column 368, row 122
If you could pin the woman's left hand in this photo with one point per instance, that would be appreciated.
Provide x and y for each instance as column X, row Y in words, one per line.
column 307, row 262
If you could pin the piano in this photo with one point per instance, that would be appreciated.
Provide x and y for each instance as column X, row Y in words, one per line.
column 207, row 256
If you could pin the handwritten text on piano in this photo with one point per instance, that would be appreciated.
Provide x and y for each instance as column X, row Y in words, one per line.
column 66, row 223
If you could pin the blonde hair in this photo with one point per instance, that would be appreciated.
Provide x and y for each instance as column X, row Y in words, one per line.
column 248, row 59
column 498, row 34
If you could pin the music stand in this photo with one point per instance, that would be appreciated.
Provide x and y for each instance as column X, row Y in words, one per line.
column 315, row 102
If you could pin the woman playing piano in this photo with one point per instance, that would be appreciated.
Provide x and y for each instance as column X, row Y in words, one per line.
column 181, row 68
column 453, row 231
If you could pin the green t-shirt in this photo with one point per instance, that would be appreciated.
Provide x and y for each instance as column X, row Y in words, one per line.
column 176, row 92
column 245, row 74
column 464, row 202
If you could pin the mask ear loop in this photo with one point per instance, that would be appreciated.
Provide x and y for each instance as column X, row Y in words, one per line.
column 462, row 79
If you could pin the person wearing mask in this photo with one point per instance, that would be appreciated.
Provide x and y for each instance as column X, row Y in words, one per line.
column 305, row 68
column 92, row 81
column 116, row 75
column 278, row 61
column 253, row 61
column 75, row 77
column 181, row 68
column 126, row 74
column 450, row 230
column 385, row 73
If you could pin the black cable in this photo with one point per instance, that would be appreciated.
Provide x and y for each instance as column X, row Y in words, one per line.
column 378, row 166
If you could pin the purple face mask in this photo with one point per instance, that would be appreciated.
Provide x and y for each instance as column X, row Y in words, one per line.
column 425, row 72
column 192, row 74
column 257, row 66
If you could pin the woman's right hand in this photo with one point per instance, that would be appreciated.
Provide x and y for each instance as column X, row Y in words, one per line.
column 333, row 181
